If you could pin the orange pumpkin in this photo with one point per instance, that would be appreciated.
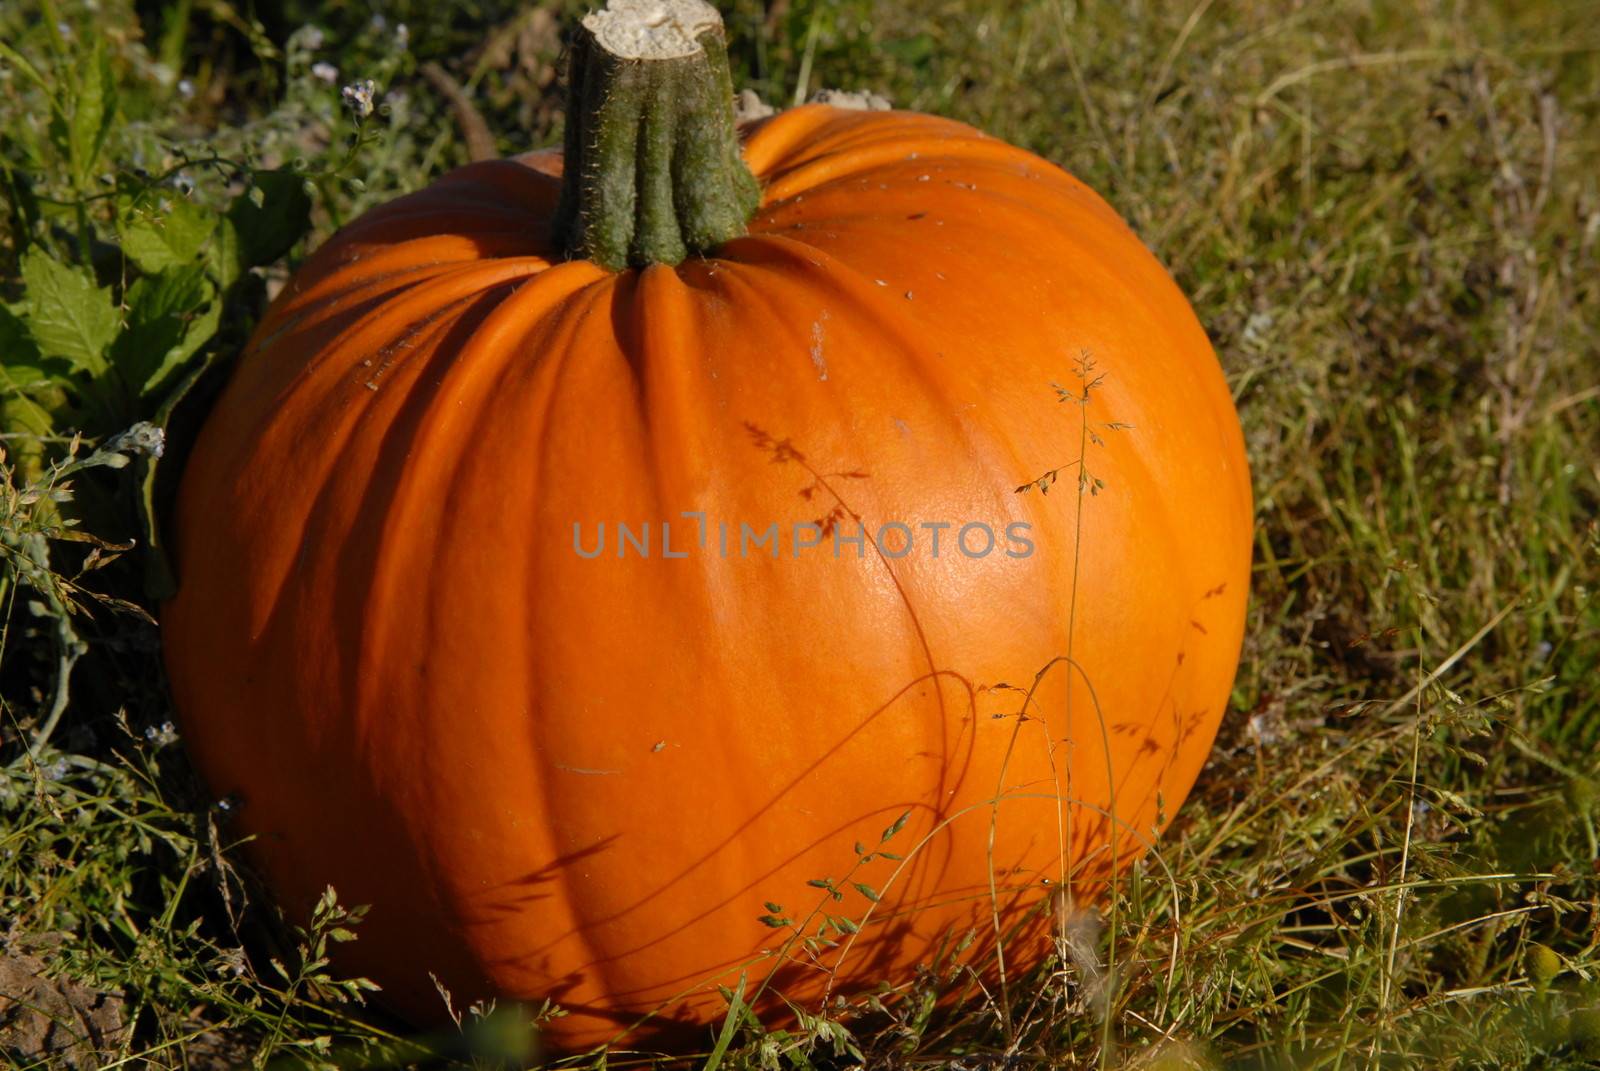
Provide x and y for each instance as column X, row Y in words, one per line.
column 618, row 780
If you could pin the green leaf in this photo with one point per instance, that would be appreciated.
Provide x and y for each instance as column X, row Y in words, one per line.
column 171, row 238
column 165, row 326
column 868, row 891
column 33, row 397
column 254, row 234
column 68, row 316
column 730, row 1025
column 94, row 109
column 18, row 353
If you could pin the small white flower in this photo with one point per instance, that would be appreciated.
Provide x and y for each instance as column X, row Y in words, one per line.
column 358, row 96
column 162, row 735
column 185, row 88
column 312, row 37
column 402, row 34
column 325, row 71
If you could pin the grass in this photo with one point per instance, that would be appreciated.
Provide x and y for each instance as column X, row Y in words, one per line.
column 1386, row 214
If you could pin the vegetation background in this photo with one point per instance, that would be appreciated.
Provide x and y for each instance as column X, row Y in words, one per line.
column 1386, row 213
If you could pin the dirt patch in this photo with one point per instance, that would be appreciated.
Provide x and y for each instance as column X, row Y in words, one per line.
column 55, row 1021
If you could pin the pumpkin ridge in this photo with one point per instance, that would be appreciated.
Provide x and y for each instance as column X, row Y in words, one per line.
column 359, row 301
column 904, row 331
column 282, row 425
column 520, row 186
column 407, row 610
column 423, row 470
column 368, row 335
column 920, row 155
column 797, row 136
column 357, row 264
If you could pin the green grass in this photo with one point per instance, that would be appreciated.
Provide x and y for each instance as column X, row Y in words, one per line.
column 1387, row 216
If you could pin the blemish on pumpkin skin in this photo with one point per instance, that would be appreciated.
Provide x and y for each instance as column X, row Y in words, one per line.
column 816, row 348
column 584, row 770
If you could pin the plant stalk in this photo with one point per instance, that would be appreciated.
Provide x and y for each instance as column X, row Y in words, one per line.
column 654, row 172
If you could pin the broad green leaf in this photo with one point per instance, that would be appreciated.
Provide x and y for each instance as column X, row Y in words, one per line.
column 165, row 325
column 268, row 229
column 33, row 400
column 201, row 328
column 17, row 348
column 253, row 234
column 67, row 315
column 174, row 292
column 169, row 238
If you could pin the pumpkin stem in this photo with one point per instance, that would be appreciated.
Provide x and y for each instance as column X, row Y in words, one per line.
column 653, row 168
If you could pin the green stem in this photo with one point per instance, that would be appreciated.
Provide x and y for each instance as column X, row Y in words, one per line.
column 653, row 167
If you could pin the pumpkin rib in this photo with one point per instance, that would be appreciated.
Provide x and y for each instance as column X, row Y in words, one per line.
column 434, row 302
column 384, row 330
column 903, row 161
column 826, row 164
column 900, row 327
column 826, row 277
column 871, row 290
column 810, row 131
column 425, row 470
column 558, row 336
column 359, row 264
column 524, row 185
column 360, row 299
column 503, row 230
column 425, row 403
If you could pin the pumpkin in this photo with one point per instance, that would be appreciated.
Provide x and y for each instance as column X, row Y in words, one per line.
column 683, row 558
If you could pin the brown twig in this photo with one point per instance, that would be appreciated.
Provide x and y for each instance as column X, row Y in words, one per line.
column 474, row 131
